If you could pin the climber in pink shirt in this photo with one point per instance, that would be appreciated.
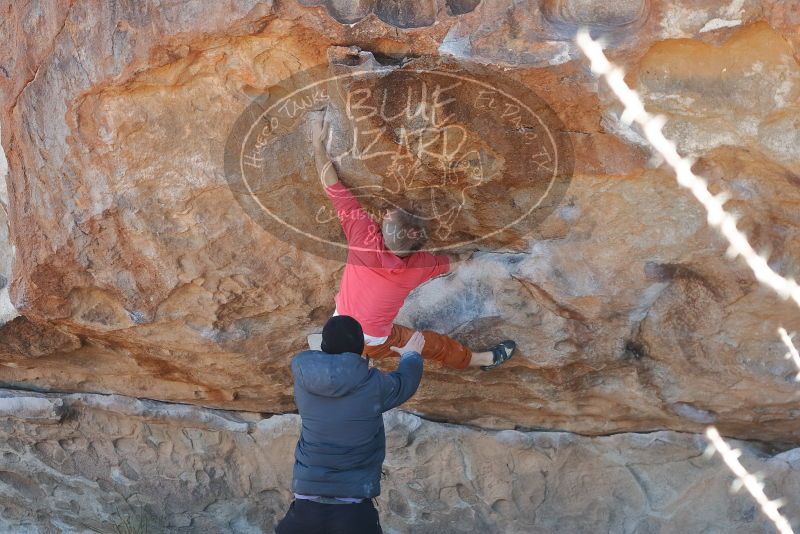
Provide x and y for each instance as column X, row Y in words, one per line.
column 383, row 266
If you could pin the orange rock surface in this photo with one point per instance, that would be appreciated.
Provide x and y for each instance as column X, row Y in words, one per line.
column 136, row 268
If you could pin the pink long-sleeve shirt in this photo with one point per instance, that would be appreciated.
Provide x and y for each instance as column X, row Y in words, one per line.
column 375, row 282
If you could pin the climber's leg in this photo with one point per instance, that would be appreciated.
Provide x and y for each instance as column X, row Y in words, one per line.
column 438, row 347
column 310, row 517
column 500, row 354
column 303, row 517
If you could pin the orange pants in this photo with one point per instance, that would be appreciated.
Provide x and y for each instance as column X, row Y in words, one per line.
column 438, row 347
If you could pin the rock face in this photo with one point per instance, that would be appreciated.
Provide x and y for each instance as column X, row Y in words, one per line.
column 400, row 14
column 138, row 270
column 179, row 468
column 7, row 311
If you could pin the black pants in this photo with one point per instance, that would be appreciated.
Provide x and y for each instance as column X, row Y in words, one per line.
column 309, row 517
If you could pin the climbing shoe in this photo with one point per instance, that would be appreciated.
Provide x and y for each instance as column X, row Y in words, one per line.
column 501, row 352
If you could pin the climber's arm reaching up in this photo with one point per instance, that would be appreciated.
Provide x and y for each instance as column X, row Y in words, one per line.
column 399, row 386
column 359, row 228
column 319, row 134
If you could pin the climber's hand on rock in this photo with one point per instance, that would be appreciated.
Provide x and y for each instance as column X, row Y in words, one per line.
column 319, row 136
column 415, row 344
column 456, row 257
column 319, row 128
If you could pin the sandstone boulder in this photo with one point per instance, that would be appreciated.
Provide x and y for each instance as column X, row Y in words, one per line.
column 7, row 311
column 138, row 271
column 175, row 468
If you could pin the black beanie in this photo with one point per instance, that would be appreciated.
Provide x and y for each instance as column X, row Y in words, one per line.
column 342, row 334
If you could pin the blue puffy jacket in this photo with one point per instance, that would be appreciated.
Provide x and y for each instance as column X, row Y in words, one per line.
column 341, row 403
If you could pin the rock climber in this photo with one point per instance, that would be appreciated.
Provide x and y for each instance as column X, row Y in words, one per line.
column 342, row 444
column 384, row 265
